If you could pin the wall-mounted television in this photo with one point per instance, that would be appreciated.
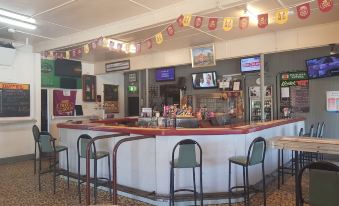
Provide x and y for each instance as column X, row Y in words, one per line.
column 65, row 67
column 165, row 74
column 250, row 64
column 204, row 80
column 323, row 66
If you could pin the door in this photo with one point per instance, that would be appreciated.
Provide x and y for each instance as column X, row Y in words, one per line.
column 44, row 110
column 133, row 106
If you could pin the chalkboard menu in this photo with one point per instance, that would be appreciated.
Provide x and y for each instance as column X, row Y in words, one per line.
column 14, row 100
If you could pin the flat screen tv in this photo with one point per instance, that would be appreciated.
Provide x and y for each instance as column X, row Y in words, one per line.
column 204, row 80
column 64, row 67
column 165, row 74
column 320, row 67
column 250, row 64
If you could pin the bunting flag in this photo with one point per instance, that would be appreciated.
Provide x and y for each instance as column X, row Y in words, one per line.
column 170, row 30
column 127, row 46
column 212, row 23
column 138, row 48
column 187, row 20
column 228, row 24
column 67, row 56
column 119, row 46
column 79, row 52
column 51, row 54
column 100, row 41
column 180, row 20
column 158, row 38
column 94, row 45
column 281, row 16
column 198, row 22
column 86, row 49
column 149, row 43
column 243, row 22
column 111, row 45
column 262, row 21
column 304, row 11
column 105, row 42
column 325, row 5
column 73, row 53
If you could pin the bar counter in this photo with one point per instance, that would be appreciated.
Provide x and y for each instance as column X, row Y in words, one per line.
column 144, row 165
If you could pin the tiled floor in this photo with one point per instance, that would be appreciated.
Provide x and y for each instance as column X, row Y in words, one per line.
column 19, row 186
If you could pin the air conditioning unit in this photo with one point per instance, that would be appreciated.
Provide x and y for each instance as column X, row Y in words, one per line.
column 7, row 56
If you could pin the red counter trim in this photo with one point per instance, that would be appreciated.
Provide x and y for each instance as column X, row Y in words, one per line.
column 184, row 131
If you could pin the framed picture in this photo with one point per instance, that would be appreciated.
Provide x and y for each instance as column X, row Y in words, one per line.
column 203, row 56
column 89, row 88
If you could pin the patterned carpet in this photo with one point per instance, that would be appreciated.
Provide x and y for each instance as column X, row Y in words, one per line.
column 20, row 187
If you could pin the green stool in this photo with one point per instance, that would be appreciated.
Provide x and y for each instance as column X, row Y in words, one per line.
column 82, row 143
column 255, row 155
column 186, row 159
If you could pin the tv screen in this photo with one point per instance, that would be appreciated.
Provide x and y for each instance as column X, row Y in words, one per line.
column 323, row 66
column 64, row 67
column 204, row 80
column 250, row 64
column 165, row 74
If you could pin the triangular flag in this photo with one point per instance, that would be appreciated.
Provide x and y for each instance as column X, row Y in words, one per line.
column 119, row 46
column 149, row 43
column 127, row 48
column 111, row 45
column 304, row 11
column 243, row 22
column 228, row 24
column 94, row 45
column 198, row 22
column 100, row 41
column 79, row 52
column 73, row 53
column 325, row 5
column 105, row 42
column 170, row 30
column 281, row 16
column 138, row 47
column 180, row 20
column 86, row 49
column 212, row 23
column 158, row 38
column 262, row 21
column 187, row 19
column 51, row 54
column 67, row 55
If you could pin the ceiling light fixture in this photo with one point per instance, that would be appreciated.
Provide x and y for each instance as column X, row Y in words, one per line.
column 17, row 20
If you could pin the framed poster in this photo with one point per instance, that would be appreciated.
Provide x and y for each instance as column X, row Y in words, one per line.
column 111, row 98
column 203, row 56
column 89, row 88
column 332, row 101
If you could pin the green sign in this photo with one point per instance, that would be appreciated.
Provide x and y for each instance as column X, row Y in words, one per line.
column 302, row 75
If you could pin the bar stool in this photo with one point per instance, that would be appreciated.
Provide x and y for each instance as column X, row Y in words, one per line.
column 48, row 150
column 82, row 143
column 255, row 155
column 36, row 132
column 186, row 159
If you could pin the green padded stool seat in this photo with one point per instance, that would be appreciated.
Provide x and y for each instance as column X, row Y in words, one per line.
column 186, row 159
column 82, row 143
column 255, row 155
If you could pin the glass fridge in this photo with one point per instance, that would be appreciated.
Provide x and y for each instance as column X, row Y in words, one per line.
column 255, row 103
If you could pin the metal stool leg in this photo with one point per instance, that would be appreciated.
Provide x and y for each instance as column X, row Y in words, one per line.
column 201, row 190
column 195, row 188
column 282, row 168
column 229, row 182
column 67, row 169
column 109, row 177
column 95, row 181
column 170, row 189
column 79, row 189
column 264, row 182
column 35, row 158
column 172, row 192
column 279, row 165
column 54, row 174
column 39, row 173
column 247, row 187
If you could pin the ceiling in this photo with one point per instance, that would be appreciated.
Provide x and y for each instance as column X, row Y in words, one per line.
column 59, row 18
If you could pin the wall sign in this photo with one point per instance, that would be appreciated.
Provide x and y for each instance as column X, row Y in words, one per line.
column 89, row 87
column 332, row 101
column 111, row 98
column 132, row 77
column 117, row 66
column 14, row 100
column 64, row 102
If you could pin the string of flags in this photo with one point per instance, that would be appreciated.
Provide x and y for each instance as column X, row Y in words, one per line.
column 186, row 20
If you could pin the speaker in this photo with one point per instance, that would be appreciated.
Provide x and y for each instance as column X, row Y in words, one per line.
column 182, row 83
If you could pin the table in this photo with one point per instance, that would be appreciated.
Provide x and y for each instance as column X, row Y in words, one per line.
column 304, row 144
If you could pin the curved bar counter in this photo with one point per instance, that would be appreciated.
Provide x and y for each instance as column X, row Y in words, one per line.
column 143, row 165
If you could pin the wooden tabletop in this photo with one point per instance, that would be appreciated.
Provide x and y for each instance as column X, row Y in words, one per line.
column 306, row 144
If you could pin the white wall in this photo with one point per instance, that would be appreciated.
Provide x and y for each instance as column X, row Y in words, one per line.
column 16, row 135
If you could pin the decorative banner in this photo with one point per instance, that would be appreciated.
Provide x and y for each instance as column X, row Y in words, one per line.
column 63, row 102
column 105, row 42
column 94, row 45
column 158, row 38
column 126, row 48
column 262, row 21
column 149, row 43
column 111, row 45
column 212, row 23
column 325, row 5
column 187, row 20
column 228, row 24
column 198, row 22
column 138, row 47
column 281, row 16
column 68, row 55
column 51, row 54
column 119, row 46
column 100, row 41
column 73, row 53
column 180, row 20
column 86, row 49
column 243, row 22
column 79, row 52
column 304, row 11
column 170, row 30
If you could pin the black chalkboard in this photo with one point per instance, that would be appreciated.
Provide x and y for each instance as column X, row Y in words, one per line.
column 14, row 100
column 111, row 92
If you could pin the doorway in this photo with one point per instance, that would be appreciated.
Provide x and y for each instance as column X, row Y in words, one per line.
column 133, row 106
column 44, row 110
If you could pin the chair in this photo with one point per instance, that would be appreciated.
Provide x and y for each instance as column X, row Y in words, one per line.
column 36, row 132
column 255, row 155
column 186, row 159
column 48, row 150
column 82, row 143
column 323, row 184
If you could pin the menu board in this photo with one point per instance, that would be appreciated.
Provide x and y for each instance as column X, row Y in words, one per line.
column 14, row 100
column 332, row 101
column 300, row 99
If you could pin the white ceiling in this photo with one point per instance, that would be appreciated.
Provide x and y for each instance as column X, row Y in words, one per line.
column 60, row 18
